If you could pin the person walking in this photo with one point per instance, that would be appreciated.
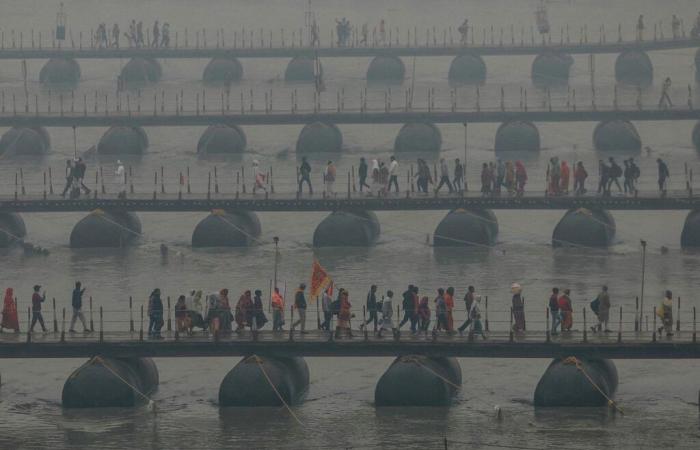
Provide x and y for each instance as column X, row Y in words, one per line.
column 486, row 180
column 450, row 304
column 665, row 313
column 362, row 174
column 327, row 307
column 458, row 180
column 564, row 175
column 259, row 318
column 393, row 174
column 676, row 26
column 518, row 308
column 469, row 298
column 258, row 177
column 664, row 175
column 243, row 311
column 640, row 27
column 475, row 315
column 37, row 300
column 665, row 100
column 604, row 175
column 423, row 176
column 77, row 304
column 444, row 176
column 70, row 175
column 387, row 314
column 80, row 170
column 409, row 310
column 277, row 310
column 520, row 178
column 614, row 174
column 300, row 306
column 500, row 176
column 155, row 314
column 156, row 34
column 441, row 311
column 566, row 310
column 603, row 312
column 305, row 175
column 329, row 177
column 554, row 175
column 139, row 34
column 344, row 315
column 554, row 310
column 115, row 35
column 9, row 312
column 580, row 176
column 423, row 315
column 371, row 307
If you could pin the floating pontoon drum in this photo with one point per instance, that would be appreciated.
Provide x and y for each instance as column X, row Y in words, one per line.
column 418, row 137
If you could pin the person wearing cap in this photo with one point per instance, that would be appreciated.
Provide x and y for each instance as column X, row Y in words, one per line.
column 37, row 300
column 300, row 306
column 518, row 308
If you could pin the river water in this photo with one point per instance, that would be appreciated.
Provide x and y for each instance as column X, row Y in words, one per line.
column 659, row 397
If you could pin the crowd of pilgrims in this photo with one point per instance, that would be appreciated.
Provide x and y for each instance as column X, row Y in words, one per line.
column 136, row 37
column 215, row 313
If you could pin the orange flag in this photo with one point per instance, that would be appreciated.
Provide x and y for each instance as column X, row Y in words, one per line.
column 319, row 279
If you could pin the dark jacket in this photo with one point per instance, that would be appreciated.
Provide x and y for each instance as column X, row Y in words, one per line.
column 37, row 300
column 305, row 169
column 78, row 298
column 155, row 306
column 362, row 170
column 371, row 301
column 554, row 303
column 299, row 300
column 408, row 301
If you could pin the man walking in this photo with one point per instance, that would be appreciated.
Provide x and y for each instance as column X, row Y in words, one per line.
column 444, row 176
column 458, row 181
column 300, row 306
column 305, row 175
column 554, row 310
column 70, row 175
column 409, row 308
column 37, row 300
column 327, row 307
column 80, row 169
column 665, row 100
column 362, row 173
column 371, row 307
column 469, row 298
column 277, row 310
column 393, row 177
column 664, row 175
column 77, row 303
column 603, row 311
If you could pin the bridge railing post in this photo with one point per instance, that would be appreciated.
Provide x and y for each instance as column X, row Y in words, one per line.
column 141, row 330
column 619, row 328
column 364, row 322
column 55, row 318
column 102, row 336
column 92, row 323
column 653, row 336
column 546, row 325
column 29, row 321
column 678, row 315
column 131, row 314
column 291, row 322
column 637, row 325
column 170, row 323
column 63, row 326
column 694, row 327
column 216, row 180
column 21, row 181
column 585, row 327
column 486, row 313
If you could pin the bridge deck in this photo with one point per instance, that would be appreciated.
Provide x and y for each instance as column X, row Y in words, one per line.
column 395, row 116
column 158, row 202
column 370, row 51
column 629, row 345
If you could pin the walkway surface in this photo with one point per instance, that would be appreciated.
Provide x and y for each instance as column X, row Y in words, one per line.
column 268, row 51
column 628, row 345
column 170, row 202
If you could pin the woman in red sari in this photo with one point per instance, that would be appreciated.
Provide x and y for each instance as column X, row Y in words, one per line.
column 344, row 315
column 9, row 312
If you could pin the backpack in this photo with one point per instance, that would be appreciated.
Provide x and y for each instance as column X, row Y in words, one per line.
column 595, row 305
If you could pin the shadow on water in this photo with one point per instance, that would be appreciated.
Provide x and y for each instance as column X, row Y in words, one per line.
column 524, row 156
column 336, row 258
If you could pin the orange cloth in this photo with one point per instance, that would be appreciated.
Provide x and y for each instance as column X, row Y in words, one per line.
column 277, row 301
column 9, row 311
column 449, row 304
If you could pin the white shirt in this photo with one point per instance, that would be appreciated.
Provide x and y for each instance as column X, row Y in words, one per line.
column 393, row 166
